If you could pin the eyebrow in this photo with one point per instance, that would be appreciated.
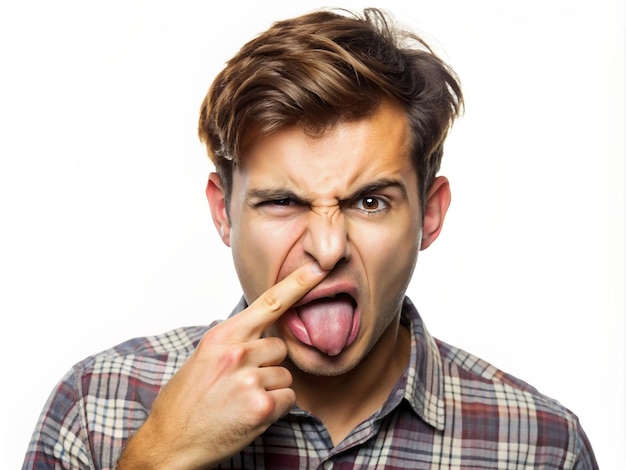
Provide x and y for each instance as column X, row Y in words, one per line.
column 375, row 186
column 274, row 194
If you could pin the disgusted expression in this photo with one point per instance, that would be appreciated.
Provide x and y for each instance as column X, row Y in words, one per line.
column 347, row 199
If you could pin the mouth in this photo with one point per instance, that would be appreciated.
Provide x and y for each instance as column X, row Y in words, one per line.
column 327, row 321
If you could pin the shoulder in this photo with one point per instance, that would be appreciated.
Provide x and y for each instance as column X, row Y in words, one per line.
column 163, row 346
column 104, row 398
column 470, row 367
column 144, row 363
column 490, row 402
column 147, row 360
column 472, row 380
column 473, row 374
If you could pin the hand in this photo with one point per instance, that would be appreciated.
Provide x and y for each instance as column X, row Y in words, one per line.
column 229, row 391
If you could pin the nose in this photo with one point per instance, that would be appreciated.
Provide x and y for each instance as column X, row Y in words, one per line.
column 326, row 237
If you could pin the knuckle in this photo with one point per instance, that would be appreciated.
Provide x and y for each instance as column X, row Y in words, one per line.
column 234, row 355
column 263, row 406
column 271, row 302
column 251, row 382
column 302, row 280
column 217, row 334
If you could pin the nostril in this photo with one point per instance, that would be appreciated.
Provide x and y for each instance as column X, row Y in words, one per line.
column 332, row 265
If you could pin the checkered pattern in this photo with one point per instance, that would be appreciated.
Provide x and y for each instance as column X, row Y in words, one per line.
column 450, row 410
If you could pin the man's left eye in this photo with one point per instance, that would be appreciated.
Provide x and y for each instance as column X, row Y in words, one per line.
column 371, row 204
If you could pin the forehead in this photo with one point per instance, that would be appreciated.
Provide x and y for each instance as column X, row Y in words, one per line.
column 363, row 147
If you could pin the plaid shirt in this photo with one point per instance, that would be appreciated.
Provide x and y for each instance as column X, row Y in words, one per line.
column 449, row 410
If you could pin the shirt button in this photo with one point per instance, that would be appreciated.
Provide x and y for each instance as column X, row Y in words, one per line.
column 328, row 465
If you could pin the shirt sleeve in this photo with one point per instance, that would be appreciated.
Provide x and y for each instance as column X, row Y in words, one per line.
column 586, row 459
column 59, row 440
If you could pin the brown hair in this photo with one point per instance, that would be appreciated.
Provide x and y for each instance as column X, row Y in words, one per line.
column 323, row 68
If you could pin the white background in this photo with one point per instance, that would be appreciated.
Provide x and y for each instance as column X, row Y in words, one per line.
column 105, row 232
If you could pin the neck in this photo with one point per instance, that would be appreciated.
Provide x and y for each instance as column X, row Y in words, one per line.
column 342, row 402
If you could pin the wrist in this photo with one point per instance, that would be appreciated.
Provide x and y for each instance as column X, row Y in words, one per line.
column 152, row 451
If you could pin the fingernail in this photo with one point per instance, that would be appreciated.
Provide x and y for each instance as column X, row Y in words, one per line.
column 317, row 269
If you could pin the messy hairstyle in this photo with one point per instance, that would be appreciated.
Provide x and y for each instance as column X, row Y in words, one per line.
column 324, row 68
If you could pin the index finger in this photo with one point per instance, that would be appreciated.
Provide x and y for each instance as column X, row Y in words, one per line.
column 250, row 324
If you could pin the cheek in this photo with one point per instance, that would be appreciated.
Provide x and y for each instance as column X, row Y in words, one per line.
column 260, row 251
column 389, row 253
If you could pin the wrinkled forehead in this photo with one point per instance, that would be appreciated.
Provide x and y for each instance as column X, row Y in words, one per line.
column 362, row 150
column 256, row 132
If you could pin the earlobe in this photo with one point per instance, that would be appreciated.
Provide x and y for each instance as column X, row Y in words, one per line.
column 437, row 203
column 217, row 201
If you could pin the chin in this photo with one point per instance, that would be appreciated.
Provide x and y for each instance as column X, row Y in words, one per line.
column 312, row 362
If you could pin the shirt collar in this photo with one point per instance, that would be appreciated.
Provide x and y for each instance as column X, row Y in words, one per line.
column 424, row 374
column 423, row 379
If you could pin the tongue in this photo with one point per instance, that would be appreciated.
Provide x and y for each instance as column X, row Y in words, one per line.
column 328, row 323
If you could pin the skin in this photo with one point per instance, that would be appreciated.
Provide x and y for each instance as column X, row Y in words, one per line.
column 229, row 390
column 348, row 200
column 308, row 218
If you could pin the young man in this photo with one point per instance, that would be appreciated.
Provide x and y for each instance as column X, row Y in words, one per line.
column 327, row 134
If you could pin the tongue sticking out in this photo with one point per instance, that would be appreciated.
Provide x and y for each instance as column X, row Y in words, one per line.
column 328, row 323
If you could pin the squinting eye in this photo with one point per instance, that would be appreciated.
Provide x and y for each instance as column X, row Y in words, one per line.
column 280, row 206
column 278, row 202
column 276, row 206
column 281, row 202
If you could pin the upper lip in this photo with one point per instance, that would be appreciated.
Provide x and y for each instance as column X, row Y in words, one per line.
column 321, row 291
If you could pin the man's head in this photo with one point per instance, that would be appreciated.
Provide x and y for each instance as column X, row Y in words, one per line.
column 327, row 137
column 323, row 68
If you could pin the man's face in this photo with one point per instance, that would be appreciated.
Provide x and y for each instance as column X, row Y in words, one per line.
column 349, row 200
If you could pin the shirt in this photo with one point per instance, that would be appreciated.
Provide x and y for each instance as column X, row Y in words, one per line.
column 449, row 410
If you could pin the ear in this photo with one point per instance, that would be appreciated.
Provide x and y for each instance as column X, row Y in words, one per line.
column 437, row 203
column 217, row 202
